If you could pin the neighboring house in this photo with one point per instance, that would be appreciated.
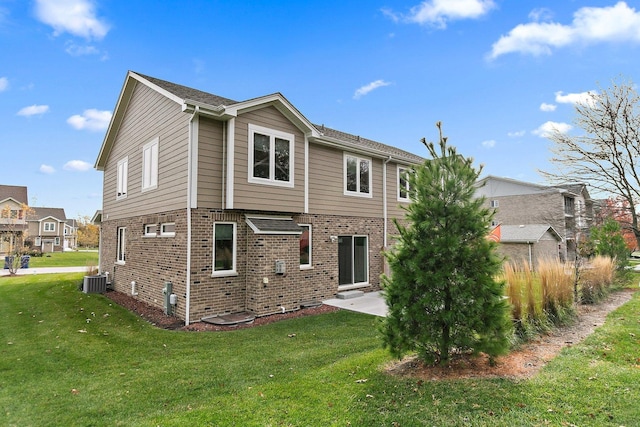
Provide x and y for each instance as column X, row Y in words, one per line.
column 567, row 209
column 530, row 243
column 70, row 235
column 13, row 224
column 242, row 206
column 47, row 228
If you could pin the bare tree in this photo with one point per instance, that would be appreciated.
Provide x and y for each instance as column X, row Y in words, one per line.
column 14, row 234
column 607, row 154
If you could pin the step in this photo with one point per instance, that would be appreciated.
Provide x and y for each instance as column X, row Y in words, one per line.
column 349, row 294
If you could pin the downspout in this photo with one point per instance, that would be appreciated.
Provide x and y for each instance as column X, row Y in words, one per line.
column 530, row 256
column 385, row 213
column 192, row 136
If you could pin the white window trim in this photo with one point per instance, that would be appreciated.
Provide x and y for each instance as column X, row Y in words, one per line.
column 233, row 271
column 308, row 266
column 50, row 226
column 357, row 193
column 122, row 172
column 167, row 233
column 147, row 227
column 405, row 170
column 494, row 204
column 121, row 257
column 57, row 241
column 272, row 134
column 150, row 165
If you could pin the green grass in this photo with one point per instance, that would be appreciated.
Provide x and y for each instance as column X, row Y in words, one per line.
column 67, row 358
column 64, row 259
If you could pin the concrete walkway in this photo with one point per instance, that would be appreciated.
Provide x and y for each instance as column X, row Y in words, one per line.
column 45, row 270
column 369, row 303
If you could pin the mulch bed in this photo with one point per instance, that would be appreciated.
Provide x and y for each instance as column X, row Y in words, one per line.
column 156, row 316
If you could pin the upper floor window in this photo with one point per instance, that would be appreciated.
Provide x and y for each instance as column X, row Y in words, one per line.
column 150, row 165
column 271, row 156
column 49, row 226
column 357, row 176
column 403, row 184
column 305, row 246
column 123, row 167
column 568, row 205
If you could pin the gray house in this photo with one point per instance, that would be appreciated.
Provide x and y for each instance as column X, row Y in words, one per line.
column 243, row 206
column 527, row 243
column 566, row 209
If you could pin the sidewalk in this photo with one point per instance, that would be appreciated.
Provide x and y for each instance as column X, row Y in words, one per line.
column 45, row 270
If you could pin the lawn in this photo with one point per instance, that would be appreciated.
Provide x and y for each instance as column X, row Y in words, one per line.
column 67, row 358
column 65, row 259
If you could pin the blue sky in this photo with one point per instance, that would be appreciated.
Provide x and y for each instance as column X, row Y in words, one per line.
column 498, row 74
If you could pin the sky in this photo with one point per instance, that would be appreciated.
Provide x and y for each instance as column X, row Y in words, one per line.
column 498, row 74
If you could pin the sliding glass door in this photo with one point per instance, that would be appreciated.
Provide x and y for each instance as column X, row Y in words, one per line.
column 353, row 260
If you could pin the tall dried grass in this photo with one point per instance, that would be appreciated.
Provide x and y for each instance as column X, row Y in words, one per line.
column 596, row 279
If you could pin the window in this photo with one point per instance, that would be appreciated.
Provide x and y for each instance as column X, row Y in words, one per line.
column 57, row 241
column 121, row 245
column 150, row 230
column 305, row 246
column 270, row 156
column 494, row 203
column 123, row 166
column 403, row 184
column 224, row 248
column 568, row 206
column 38, row 242
column 150, row 165
column 168, row 229
column 49, row 226
column 357, row 176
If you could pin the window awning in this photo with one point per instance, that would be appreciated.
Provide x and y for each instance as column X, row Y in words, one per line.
column 273, row 225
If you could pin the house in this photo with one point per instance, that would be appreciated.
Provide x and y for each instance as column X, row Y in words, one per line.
column 13, row 223
column 240, row 206
column 49, row 229
column 529, row 243
column 566, row 209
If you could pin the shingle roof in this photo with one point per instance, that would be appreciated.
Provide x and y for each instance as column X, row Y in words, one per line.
column 525, row 233
column 41, row 213
column 367, row 143
column 189, row 93
column 16, row 192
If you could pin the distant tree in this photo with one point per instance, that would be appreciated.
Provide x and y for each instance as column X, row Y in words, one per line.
column 443, row 295
column 88, row 233
column 608, row 240
column 14, row 236
column 618, row 209
column 607, row 154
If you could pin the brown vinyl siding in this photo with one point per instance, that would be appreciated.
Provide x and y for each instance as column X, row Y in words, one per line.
column 262, row 196
column 326, row 185
column 210, row 161
column 149, row 115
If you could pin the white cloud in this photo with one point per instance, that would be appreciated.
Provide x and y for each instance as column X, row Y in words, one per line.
column 364, row 90
column 47, row 169
column 548, row 107
column 585, row 98
column 517, row 134
column 540, row 14
column 618, row 23
column 76, row 17
column 437, row 13
column 77, row 50
column 33, row 110
column 489, row 143
column 92, row 119
column 548, row 128
column 77, row 166
column 4, row 84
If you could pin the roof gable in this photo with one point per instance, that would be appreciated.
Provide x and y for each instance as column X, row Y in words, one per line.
column 529, row 233
column 13, row 192
column 40, row 214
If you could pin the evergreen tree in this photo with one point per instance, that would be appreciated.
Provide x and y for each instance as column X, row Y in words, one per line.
column 443, row 295
column 608, row 241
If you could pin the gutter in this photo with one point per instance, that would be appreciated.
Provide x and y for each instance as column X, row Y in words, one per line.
column 192, row 140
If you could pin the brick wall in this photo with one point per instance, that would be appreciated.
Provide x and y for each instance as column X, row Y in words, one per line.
column 152, row 261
